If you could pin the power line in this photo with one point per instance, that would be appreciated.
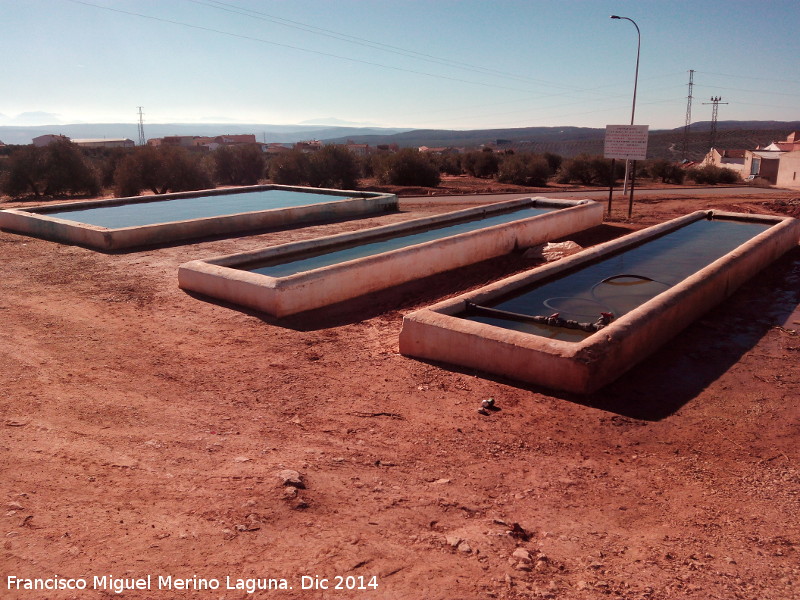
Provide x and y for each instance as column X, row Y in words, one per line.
column 542, row 96
column 570, row 91
column 746, row 77
column 233, row 8
column 360, row 41
column 771, row 93
column 559, row 116
column 292, row 47
column 336, row 56
column 766, row 105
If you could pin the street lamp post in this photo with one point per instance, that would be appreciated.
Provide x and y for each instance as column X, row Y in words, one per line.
column 635, row 85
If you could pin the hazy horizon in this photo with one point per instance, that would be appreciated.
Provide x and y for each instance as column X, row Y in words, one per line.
column 403, row 64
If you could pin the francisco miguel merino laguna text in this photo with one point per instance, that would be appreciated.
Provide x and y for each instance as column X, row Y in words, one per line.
column 168, row 582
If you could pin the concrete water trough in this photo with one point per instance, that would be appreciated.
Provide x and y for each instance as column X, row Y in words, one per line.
column 579, row 323
column 295, row 277
column 146, row 220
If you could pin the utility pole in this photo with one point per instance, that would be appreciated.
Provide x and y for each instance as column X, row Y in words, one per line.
column 142, row 141
column 633, row 106
column 715, row 102
column 685, row 149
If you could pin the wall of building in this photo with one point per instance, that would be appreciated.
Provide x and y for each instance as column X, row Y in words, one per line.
column 44, row 140
column 714, row 157
column 768, row 168
column 789, row 170
column 105, row 143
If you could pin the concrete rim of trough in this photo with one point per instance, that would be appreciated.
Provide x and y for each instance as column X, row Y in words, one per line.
column 597, row 360
column 38, row 220
column 218, row 278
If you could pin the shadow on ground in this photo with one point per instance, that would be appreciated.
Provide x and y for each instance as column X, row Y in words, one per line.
column 679, row 371
column 415, row 294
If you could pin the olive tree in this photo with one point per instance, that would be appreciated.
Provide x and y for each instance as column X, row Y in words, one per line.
column 241, row 164
column 408, row 167
column 161, row 170
column 524, row 169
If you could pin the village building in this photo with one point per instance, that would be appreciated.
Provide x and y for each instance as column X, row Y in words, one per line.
column 357, row 149
column 776, row 163
column 387, row 148
column 105, row 143
column 228, row 140
column 762, row 164
column 183, row 141
column 48, row 138
column 204, row 142
column 727, row 159
column 790, row 144
column 789, row 170
column 308, row 146
column 440, row 151
column 273, row 148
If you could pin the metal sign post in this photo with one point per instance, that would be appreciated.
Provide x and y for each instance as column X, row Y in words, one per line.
column 628, row 142
column 611, row 183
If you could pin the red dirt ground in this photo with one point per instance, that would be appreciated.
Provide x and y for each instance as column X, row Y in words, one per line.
column 143, row 430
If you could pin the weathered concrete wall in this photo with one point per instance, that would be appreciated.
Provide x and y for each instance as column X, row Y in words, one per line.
column 328, row 285
column 37, row 221
column 436, row 334
column 789, row 170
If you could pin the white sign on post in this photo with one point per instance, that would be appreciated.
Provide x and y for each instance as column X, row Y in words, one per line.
column 628, row 142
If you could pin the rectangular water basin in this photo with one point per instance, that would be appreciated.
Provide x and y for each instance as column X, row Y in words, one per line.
column 299, row 276
column 547, row 326
column 145, row 220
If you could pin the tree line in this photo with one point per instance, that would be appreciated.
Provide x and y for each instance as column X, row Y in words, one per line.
column 63, row 169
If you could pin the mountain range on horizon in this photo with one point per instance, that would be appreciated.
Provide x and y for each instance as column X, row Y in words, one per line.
column 23, row 134
column 564, row 140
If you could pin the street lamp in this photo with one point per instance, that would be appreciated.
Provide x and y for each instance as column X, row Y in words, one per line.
column 635, row 84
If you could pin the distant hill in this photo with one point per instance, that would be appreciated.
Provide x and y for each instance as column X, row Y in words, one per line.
column 23, row 134
column 731, row 135
column 476, row 137
column 566, row 141
column 570, row 141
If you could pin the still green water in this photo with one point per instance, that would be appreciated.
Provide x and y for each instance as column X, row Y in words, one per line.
column 664, row 261
column 184, row 209
column 352, row 252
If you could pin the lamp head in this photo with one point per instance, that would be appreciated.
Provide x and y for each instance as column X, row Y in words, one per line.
column 615, row 17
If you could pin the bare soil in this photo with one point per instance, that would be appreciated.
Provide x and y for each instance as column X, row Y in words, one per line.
column 144, row 431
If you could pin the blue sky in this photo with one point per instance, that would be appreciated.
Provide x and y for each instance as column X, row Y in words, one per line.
column 453, row 64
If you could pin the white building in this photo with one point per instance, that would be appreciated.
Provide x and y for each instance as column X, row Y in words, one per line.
column 789, row 170
column 727, row 159
column 105, row 143
column 48, row 138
